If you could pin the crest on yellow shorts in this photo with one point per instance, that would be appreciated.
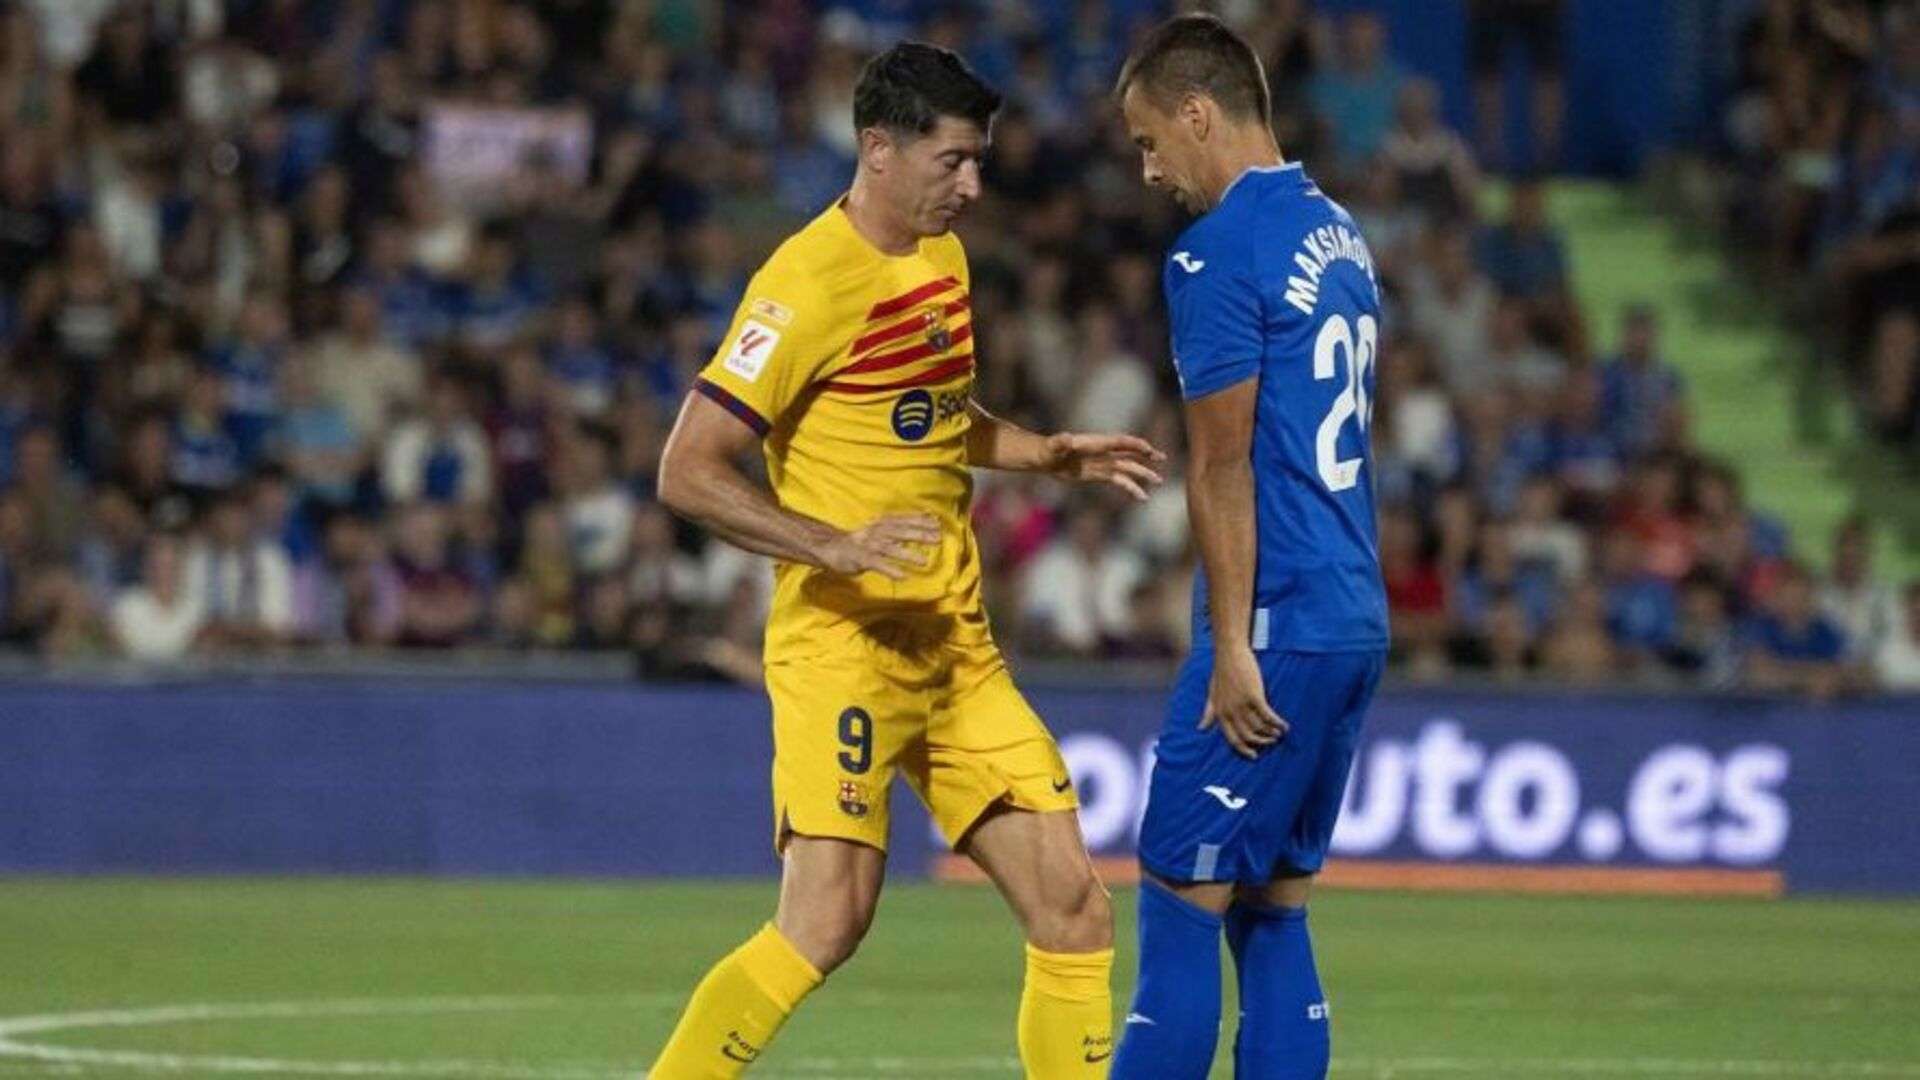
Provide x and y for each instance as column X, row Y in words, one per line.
column 853, row 798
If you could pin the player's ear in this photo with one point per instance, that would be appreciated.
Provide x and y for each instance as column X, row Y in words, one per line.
column 876, row 149
column 1193, row 112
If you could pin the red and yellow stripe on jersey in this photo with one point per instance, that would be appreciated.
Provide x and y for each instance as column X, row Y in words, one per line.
column 856, row 367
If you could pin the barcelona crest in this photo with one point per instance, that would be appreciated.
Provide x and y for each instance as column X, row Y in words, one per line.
column 853, row 798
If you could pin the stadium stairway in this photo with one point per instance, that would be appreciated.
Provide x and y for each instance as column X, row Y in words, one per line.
column 1760, row 397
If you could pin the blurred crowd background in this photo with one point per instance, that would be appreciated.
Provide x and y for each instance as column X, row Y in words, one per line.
column 1820, row 156
column 359, row 325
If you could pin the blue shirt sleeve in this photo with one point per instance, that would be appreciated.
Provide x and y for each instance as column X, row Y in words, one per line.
column 1213, row 304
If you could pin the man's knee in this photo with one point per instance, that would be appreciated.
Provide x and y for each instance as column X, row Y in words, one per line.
column 828, row 893
column 827, row 934
column 1288, row 889
column 1078, row 917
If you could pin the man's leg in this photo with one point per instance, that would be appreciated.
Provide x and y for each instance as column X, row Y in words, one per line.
column 828, row 891
column 1196, row 811
column 1174, row 1020
column 1284, row 1033
column 1039, row 863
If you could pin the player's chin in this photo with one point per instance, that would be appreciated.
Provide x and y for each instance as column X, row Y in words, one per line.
column 941, row 221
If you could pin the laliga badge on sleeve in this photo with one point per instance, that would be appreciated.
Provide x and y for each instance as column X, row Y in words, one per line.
column 751, row 347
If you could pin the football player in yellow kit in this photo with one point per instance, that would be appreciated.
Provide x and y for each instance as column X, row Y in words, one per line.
column 851, row 363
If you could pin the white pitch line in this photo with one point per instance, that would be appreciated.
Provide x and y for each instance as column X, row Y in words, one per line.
column 67, row 1057
column 12, row 1047
column 16, row 1054
column 290, row 1010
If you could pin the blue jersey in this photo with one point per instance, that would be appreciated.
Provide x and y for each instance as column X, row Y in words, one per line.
column 1275, row 283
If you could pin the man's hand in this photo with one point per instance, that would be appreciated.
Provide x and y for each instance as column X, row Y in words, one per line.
column 893, row 546
column 1124, row 461
column 1237, row 701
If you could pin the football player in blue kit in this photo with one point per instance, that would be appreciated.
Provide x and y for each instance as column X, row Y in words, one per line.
column 1275, row 317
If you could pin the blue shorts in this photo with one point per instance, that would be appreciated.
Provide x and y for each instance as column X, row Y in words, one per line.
column 1213, row 815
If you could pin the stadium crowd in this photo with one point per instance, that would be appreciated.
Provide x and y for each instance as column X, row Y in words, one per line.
column 1821, row 152
column 361, row 324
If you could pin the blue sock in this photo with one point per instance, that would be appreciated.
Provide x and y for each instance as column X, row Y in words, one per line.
column 1174, row 1021
column 1283, row 1032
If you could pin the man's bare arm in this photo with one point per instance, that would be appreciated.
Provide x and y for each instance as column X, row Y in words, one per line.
column 700, row 481
column 993, row 443
column 1125, row 461
column 1220, row 503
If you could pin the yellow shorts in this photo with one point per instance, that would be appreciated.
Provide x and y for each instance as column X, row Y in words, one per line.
column 945, row 715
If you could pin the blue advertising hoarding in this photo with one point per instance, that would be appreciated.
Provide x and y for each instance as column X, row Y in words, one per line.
column 518, row 778
column 1814, row 797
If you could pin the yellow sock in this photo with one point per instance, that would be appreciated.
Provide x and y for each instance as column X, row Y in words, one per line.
column 736, row 1009
column 1066, row 1015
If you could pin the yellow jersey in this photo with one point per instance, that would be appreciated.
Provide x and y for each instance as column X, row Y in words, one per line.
column 856, row 367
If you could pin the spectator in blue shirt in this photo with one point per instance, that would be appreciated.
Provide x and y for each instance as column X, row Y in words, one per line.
column 1355, row 99
column 249, row 367
column 808, row 174
column 1705, row 646
column 1495, row 576
column 439, row 456
column 1640, row 393
column 581, row 360
column 316, row 441
column 1585, row 458
column 1641, row 609
column 1091, row 52
column 1791, row 646
column 499, row 302
column 712, row 282
column 205, row 458
column 1036, row 88
column 1523, row 255
column 111, row 555
column 409, row 298
column 1527, row 260
column 1501, row 449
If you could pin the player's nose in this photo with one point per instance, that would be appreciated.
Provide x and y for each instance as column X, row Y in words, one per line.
column 967, row 188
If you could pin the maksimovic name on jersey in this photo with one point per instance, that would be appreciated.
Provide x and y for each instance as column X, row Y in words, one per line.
column 1319, row 249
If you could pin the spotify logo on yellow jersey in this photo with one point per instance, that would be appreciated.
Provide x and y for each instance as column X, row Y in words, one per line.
column 913, row 415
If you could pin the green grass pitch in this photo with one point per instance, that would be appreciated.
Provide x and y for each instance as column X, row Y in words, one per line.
column 539, row 980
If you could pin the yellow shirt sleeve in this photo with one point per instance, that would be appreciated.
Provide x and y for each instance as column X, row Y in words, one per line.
column 782, row 337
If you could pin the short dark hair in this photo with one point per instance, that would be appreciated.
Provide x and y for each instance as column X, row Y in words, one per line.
column 908, row 88
column 1199, row 54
